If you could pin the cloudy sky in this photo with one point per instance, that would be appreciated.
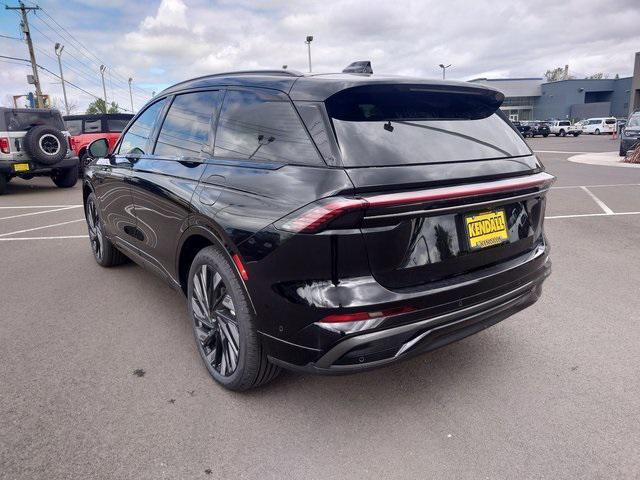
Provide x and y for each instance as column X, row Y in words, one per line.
column 161, row 42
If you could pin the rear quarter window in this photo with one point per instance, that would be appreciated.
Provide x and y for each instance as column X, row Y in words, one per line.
column 257, row 125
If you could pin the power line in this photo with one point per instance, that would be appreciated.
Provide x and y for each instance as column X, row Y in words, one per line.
column 11, row 38
column 83, row 47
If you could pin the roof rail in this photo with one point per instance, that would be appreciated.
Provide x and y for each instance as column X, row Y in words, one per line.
column 290, row 73
column 284, row 73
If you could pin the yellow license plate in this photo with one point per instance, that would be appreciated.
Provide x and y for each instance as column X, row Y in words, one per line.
column 486, row 229
column 20, row 167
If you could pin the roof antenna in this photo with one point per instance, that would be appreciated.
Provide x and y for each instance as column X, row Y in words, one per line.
column 363, row 66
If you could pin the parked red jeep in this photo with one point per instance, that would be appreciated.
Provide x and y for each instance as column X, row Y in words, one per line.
column 84, row 129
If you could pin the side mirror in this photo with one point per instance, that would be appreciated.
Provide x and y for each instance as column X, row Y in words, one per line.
column 99, row 148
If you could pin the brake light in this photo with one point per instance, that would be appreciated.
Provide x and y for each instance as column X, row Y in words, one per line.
column 4, row 144
column 312, row 218
column 359, row 316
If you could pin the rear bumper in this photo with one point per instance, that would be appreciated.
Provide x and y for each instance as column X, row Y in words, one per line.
column 6, row 167
column 372, row 349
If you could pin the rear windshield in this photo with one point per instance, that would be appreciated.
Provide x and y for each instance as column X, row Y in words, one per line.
column 387, row 125
column 18, row 121
column 610, row 121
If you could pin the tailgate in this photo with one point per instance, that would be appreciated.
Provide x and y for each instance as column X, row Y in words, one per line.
column 419, row 236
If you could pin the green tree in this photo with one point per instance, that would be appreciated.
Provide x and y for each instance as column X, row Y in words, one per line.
column 98, row 106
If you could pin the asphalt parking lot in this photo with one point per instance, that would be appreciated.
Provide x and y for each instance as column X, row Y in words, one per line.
column 553, row 392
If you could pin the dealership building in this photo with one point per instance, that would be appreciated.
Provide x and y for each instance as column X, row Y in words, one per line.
column 536, row 99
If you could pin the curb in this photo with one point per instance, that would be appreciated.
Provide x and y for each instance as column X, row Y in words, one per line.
column 607, row 159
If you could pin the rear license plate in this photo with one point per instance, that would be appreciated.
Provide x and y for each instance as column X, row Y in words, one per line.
column 20, row 167
column 486, row 229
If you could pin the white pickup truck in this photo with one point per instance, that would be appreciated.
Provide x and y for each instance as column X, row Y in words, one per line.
column 562, row 128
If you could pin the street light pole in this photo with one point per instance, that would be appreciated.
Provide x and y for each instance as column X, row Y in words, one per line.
column 308, row 42
column 58, row 49
column 104, row 89
column 131, row 94
column 444, row 69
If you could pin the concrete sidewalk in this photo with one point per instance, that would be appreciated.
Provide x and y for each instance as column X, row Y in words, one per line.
column 609, row 159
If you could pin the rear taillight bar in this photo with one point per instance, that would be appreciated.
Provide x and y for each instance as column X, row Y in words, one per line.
column 539, row 180
column 314, row 217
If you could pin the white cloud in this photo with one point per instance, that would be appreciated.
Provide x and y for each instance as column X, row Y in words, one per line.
column 177, row 39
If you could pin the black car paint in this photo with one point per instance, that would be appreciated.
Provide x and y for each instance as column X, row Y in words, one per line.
column 154, row 207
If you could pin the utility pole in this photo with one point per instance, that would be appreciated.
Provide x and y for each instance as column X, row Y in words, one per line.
column 131, row 94
column 27, row 34
column 58, row 49
column 104, row 89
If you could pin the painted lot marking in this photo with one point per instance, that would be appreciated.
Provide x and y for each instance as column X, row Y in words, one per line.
column 599, row 202
column 38, row 206
column 559, row 151
column 579, row 215
column 39, row 213
column 598, row 186
column 40, row 228
column 13, row 239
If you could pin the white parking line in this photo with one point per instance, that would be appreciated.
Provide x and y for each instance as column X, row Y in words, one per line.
column 13, row 239
column 558, row 151
column 40, row 228
column 592, row 215
column 38, row 213
column 38, row 206
column 598, row 186
column 600, row 203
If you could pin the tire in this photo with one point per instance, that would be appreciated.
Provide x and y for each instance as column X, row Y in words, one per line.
column 557, row 134
column 45, row 145
column 597, row 132
column 545, row 135
column 85, row 160
column 65, row 177
column 225, row 334
column 3, row 183
column 563, row 133
column 104, row 252
column 576, row 134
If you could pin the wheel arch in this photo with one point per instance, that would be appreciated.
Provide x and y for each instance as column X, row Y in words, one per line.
column 194, row 239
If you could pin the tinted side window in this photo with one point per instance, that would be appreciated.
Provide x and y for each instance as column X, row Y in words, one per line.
column 92, row 126
column 116, row 124
column 135, row 140
column 254, row 125
column 187, row 126
column 74, row 127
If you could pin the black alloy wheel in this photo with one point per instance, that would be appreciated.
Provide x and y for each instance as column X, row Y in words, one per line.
column 104, row 252
column 223, row 323
column 216, row 325
column 96, row 236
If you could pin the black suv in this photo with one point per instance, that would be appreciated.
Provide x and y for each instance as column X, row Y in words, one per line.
column 536, row 128
column 34, row 142
column 325, row 223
